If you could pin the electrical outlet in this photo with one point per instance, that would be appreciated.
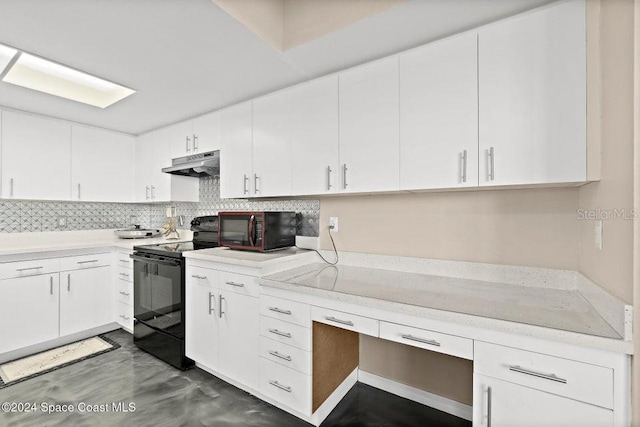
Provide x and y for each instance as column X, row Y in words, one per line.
column 598, row 234
column 62, row 222
column 333, row 223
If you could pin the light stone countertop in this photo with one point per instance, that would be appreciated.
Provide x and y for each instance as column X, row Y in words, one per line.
column 558, row 314
column 251, row 259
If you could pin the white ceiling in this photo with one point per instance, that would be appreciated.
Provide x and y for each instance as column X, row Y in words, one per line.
column 186, row 57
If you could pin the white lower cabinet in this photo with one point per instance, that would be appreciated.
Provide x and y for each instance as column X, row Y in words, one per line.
column 85, row 299
column 290, row 388
column 29, row 312
column 201, row 326
column 498, row 403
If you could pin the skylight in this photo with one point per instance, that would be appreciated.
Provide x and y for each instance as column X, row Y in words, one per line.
column 6, row 55
column 32, row 72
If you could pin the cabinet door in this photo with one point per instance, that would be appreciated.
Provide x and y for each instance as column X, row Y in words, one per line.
column 315, row 142
column 36, row 154
column 143, row 161
column 532, row 79
column 239, row 338
column 201, row 326
column 369, row 126
column 206, row 132
column 160, row 157
column 236, row 151
column 180, row 138
column 439, row 115
column 101, row 165
column 84, row 299
column 498, row 403
column 29, row 312
column 272, row 145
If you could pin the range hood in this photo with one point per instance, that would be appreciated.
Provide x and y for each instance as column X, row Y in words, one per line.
column 198, row 165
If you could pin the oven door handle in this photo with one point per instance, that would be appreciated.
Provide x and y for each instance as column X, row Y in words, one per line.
column 154, row 261
column 252, row 221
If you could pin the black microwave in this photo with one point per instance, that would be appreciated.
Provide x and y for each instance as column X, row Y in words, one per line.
column 257, row 231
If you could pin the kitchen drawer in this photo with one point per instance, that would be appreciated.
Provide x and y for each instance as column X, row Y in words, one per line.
column 580, row 381
column 84, row 261
column 429, row 340
column 352, row 322
column 289, row 311
column 123, row 273
column 124, row 291
column 285, row 355
column 121, row 259
column 286, row 333
column 286, row 386
column 10, row 270
column 124, row 315
column 202, row 276
column 239, row 283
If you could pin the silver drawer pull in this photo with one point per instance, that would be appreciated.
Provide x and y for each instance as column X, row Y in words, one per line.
column 280, row 386
column 124, row 260
column 27, row 269
column 342, row 322
column 124, row 317
column 239, row 285
column 195, row 276
column 281, row 356
column 87, row 262
column 124, row 274
column 550, row 377
column 281, row 311
column 282, row 334
column 124, row 293
column 421, row 340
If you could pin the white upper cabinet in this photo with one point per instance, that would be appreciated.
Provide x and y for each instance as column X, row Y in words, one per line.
column 236, row 151
column 180, row 139
column 36, row 154
column 369, row 127
column 439, row 115
column 532, row 80
column 101, row 165
column 272, row 145
column 206, row 132
column 315, row 137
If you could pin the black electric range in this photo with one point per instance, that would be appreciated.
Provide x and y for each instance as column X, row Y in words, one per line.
column 159, row 292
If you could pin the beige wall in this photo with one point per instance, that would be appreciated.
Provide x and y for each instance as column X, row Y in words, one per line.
column 636, row 288
column 263, row 17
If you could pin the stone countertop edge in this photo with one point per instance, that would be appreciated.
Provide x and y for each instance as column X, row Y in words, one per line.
column 249, row 259
column 567, row 337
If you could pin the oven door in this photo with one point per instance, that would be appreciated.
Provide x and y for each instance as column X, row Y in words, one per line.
column 240, row 230
column 157, row 293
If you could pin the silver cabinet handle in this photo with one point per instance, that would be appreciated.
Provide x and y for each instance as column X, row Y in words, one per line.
column 147, row 192
column 11, row 187
column 124, row 260
column 87, row 262
column 255, row 183
column 124, row 317
column 195, row 142
column 280, row 386
column 220, row 312
column 68, row 282
column 51, row 285
column 239, row 285
column 421, row 340
column 210, row 305
column 124, row 274
column 153, row 191
column 344, row 176
column 281, row 356
column 550, row 377
column 78, row 191
column 329, row 177
column 188, row 146
column 488, row 406
column 126, row 294
column 281, row 311
column 282, row 334
column 342, row 322
column 245, row 189
column 195, row 276
column 29, row 268
column 463, row 168
column 491, row 154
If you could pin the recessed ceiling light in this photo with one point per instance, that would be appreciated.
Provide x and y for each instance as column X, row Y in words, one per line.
column 40, row 74
column 6, row 55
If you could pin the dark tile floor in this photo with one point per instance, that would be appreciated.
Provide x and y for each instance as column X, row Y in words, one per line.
column 164, row 396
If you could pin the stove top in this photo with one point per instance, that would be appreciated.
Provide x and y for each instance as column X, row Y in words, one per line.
column 174, row 249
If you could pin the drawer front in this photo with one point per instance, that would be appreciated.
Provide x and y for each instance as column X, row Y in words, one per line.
column 123, row 273
column 12, row 270
column 202, row 276
column 576, row 380
column 429, row 340
column 124, row 315
column 124, row 291
column 84, row 261
column 286, row 333
column 286, row 386
column 286, row 355
column 352, row 322
column 239, row 283
column 121, row 259
column 289, row 311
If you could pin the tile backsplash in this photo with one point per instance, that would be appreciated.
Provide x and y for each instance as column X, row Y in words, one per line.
column 25, row 216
